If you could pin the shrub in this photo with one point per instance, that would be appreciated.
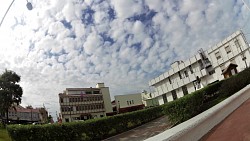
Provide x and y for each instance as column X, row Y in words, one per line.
column 235, row 83
column 211, row 92
column 190, row 105
column 184, row 108
column 95, row 129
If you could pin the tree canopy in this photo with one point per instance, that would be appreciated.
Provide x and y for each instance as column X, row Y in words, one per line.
column 10, row 91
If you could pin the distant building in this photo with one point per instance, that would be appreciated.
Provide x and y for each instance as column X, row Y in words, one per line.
column 20, row 114
column 129, row 102
column 148, row 100
column 223, row 60
column 85, row 103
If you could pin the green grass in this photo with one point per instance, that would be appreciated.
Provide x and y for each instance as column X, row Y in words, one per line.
column 4, row 135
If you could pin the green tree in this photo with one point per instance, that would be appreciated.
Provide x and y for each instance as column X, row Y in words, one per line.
column 10, row 91
column 29, row 107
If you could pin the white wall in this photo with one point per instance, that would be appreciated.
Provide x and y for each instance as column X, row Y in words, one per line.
column 126, row 100
column 160, row 99
column 106, row 99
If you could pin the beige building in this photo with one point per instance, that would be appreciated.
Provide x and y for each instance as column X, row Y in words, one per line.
column 85, row 103
column 129, row 102
column 26, row 115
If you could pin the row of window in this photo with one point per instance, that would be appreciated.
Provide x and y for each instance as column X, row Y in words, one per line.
column 184, row 90
column 228, row 49
column 130, row 102
column 84, row 98
column 23, row 115
column 83, row 107
column 185, row 73
column 89, row 107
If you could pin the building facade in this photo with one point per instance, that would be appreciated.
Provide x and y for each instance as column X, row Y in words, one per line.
column 85, row 103
column 230, row 55
column 129, row 102
column 20, row 114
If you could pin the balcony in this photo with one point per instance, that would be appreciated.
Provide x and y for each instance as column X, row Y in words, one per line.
column 207, row 63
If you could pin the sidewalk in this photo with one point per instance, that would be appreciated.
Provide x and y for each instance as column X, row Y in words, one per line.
column 143, row 132
column 236, row 127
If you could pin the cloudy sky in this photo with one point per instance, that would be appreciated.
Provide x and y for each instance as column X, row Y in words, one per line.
column 124, row 43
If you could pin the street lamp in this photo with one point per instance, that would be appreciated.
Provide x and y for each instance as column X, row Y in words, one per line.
column 28, row 5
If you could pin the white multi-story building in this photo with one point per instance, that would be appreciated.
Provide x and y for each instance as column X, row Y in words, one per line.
column 85, row 103
column 226, row 58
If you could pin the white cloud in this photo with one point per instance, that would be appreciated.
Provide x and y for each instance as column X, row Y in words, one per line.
column 125, row 9
column 55, row 46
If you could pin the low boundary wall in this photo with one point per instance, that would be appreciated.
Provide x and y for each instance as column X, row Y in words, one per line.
column 198, row 126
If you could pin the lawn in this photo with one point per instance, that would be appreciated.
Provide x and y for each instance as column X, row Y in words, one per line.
column 4, row 135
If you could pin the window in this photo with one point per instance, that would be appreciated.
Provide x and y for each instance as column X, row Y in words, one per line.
column 228, row 49
column 217, row 55
column 186, row 73
column 88, row 92
column 236, row 42
column 61, row 99
column 169, row 80
column 127, row 102
column 180, row 75
column 211, row 72
column 132, row 101
column 165, row 100
column 197, row 84
column 201, row 64
column 66, row 119
column 191, row 69
column 174, row 94
column 184, row 89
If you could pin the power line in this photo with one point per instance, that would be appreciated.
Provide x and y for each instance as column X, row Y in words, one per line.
column 246, row 4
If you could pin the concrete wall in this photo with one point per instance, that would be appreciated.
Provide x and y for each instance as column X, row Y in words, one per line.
column 106, row 99
column 200, row 125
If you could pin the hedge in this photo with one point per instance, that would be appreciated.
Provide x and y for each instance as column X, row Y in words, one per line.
column 95, row 129
column 235, row 83
column 190, row 105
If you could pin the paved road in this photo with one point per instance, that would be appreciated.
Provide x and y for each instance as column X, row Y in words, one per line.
column 236, row 127
column 143, row 132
